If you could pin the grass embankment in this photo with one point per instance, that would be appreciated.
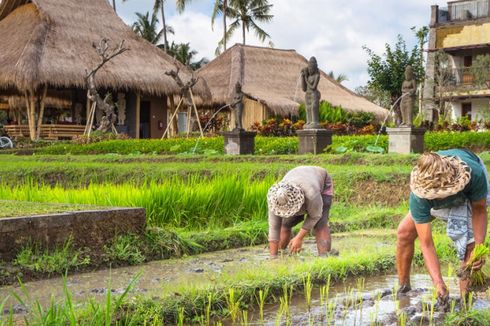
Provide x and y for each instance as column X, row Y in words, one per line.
column 478, row 141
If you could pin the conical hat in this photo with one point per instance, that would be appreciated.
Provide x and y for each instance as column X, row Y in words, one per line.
column 440, row 178
column 285, row 199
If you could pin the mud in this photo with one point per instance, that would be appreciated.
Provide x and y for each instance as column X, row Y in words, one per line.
column 372, row 304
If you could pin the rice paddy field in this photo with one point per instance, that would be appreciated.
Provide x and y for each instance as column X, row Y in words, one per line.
column 197, row 205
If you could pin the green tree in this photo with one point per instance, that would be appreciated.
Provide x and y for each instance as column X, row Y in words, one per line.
column 147, row 27
column 387, row 71
column 340, row 78
column 246, row 14
column 186, row 55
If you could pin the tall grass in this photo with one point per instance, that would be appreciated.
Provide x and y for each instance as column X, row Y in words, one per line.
column 194, row 202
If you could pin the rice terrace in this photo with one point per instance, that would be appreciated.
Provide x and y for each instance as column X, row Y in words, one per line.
column 244, row 162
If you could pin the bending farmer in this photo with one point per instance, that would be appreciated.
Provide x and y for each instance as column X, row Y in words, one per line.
column 451, row 185
column 303, row 190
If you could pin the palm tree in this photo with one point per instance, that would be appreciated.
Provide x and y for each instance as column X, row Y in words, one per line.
column 339, row 78
column 245, row 14
column 147, row 28
column 220, row 6
column 186, row 55
column 160, row 5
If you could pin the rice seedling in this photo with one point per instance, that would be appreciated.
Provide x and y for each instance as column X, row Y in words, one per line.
column 233, row 304
column 244, row 321
column 262, row 296
column 307, row 287
column 477, row 278
column 180, row 317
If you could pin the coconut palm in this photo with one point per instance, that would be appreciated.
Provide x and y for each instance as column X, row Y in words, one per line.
column 186, row 55
column 246, row 14
column 220, row 7
column 339, row 78
column 159, row 5
column 148, row 28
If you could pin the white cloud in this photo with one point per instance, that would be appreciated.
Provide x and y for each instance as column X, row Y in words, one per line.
column 334, row 31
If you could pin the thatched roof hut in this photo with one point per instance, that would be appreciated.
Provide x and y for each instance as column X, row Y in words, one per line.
column 50, row 42
column 271, row 77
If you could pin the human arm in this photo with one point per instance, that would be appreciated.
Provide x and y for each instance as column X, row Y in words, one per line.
column 479, row 220
column 297, row 242
column 274, row 232
column 427, row 246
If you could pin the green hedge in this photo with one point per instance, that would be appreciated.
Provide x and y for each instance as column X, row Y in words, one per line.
column 477, row 141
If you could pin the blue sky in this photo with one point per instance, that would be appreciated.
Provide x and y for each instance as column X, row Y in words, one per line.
column 332, row 30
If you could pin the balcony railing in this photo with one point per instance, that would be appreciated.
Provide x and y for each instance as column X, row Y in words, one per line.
column 463, row 80
column 464, row 10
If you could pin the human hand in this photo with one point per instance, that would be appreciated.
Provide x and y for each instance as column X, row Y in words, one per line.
column 477, row 265
column 442, row 292
column 295, row 245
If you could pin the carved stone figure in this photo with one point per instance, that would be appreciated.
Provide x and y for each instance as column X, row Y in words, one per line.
column 310, row 77
column 121, row 109
column 409, row 87
column 78, row 113
column 237, row 105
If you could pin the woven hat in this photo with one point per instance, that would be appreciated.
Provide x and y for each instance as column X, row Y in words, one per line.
column 285, row 199
column 436, row 176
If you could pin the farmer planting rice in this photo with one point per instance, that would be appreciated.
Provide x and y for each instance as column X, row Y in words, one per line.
column 303, row 190
column 450, row 185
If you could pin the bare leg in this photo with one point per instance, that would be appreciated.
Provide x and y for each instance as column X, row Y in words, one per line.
column 285, row 237
column 465, row 282
column 323, row 240
column 406, row 236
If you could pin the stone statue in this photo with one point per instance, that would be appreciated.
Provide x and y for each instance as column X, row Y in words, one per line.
column 78, row 113
column 310, row 77
column 237, row 105
column 409, row 88
column 121, row 109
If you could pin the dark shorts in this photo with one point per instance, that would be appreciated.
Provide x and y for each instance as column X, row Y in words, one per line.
column 323, row 222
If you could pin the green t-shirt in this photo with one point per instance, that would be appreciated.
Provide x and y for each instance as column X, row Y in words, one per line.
column 475, row 190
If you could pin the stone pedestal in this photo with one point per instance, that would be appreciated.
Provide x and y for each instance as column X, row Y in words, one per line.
column 314, row 141
column 239, row 142
column 406, row 140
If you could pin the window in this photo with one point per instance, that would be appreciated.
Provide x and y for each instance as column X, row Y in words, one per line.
column 466, row 110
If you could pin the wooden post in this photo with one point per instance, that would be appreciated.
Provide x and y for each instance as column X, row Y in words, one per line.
column 138, row 115
column 172, row 119
column 172, row 123
column 41, row 112
column 197, row 113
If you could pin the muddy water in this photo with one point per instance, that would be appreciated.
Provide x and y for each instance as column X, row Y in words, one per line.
column 378, row 304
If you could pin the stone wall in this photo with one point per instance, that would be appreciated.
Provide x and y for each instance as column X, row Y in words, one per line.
column 88, row 229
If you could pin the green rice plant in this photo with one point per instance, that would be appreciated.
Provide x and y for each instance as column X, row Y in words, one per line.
column 209, row 306
column 307, row 287
column 180, row 317
column 233, row 304
column 477, row 278
column 244, row 318
column 262, row 296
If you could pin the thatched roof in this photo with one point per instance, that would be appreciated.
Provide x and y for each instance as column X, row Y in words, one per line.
column 271, row 76
column 50, row 42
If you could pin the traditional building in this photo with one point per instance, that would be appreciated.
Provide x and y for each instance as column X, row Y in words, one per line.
column 48, row 44
column 271, row 77
column 462, row 32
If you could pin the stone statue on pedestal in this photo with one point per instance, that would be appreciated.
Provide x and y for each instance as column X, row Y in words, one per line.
column 310, row 77
column 409, row 89
column 237, row 106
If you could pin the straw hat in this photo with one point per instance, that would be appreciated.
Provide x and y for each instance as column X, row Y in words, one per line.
column 436, row 176
column 285, row 199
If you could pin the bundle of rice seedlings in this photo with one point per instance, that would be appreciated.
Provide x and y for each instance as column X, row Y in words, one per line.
column 477, row 278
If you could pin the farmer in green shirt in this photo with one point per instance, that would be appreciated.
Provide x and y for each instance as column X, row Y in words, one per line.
column 451, row 185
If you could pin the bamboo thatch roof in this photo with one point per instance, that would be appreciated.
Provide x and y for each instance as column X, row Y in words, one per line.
column 271, row 76
column 51, row 42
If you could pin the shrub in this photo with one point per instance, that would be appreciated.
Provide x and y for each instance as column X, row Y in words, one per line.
column 98, row 136
column 125, row 248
